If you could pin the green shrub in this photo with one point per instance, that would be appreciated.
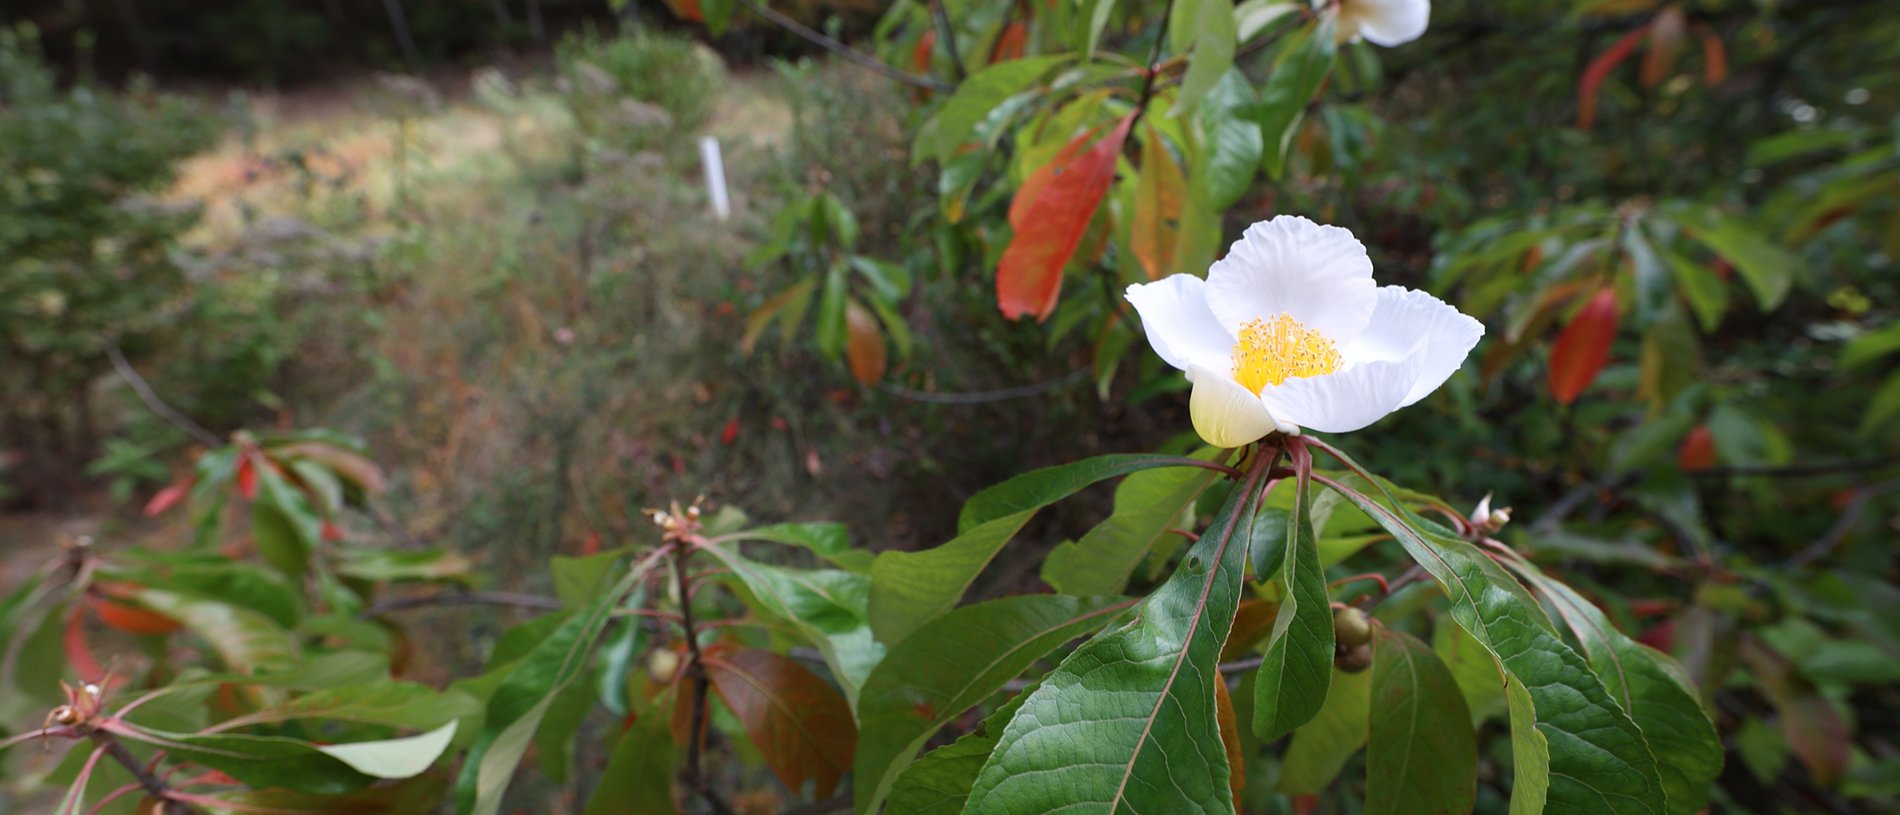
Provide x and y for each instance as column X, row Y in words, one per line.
column 636, row 92
column 86, row 255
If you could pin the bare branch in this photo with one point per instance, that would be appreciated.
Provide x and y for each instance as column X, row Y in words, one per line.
column 846, row 51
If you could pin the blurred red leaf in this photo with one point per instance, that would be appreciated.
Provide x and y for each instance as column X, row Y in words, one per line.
column 799, row 722
column 1012, row 43
column 78, row 651
column 1583, row 347
column 920, row 56
column 1599, row 68
column 687, row 10
column 167, row 498
column 731, row 432
column 347, row 464
column 247, row 477
column 1062, row 198
column 1697, row 451
column 1230, row 736
column 1813, row 728
column 332, row 532
column 864, row 344
column 1714, row 56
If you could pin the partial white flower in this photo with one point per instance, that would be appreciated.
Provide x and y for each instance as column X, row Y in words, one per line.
column 1382, row 22
column 1289, row 331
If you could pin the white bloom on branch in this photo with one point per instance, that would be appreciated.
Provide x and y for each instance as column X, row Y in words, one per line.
column 1382, row 22
column 1289, row 331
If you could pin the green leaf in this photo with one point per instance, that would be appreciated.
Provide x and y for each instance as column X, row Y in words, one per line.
column 1870, row 346
column 639, row 774
column 717, row 14
column 393, row 565
column 1305, row 57
column 405, row 705
column 1477, row 673
column 621, row 657
column 1422, row 755
column 826, row 606
column 950, row 664
column 1231, row 141
column 1706, row 293
column 974, row 100
column 1652, row 689
column 247, row 641
column 910, row 588
column 578, row 581
column 1598, row 761
column 1094, row 16
column 828, row 540
column 1298, row 667
column 283, row 524
column 1765, row 267
column 1135, row 705
column 1321, row 747
column 940, row 782
column 1212, row 56
column 549, row 661
column 275, row 761
column 1147, row 505
column 1267, row 551
column 419, row 794
column 1883, row 408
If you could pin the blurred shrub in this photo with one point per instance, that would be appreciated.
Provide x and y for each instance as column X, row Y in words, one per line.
column 639, row 91
column 86, row 257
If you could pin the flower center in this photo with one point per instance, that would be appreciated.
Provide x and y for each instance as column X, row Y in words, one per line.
column 1270, row 352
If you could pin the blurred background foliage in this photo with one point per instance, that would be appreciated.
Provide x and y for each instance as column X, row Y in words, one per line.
column 1679, row 222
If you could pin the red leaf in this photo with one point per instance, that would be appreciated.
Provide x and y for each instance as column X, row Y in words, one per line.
column 1598, row 69
column 920, row 56
column 1809, row 722
column 132, row 619
column 1159, row 191
column 1065, row 195
column 1697, row 452
column 1583, row 347
column 864, row 345
column 687, row 10
column 731, row 433
column 247, row 477
column 1011, row 44
column 332, row 532
column 798, row 721
column 346, row 464
column 1714, row 56
column 167, row 498
column 78, row 650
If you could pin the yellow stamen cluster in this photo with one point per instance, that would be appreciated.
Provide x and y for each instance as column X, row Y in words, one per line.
column 1272, row 351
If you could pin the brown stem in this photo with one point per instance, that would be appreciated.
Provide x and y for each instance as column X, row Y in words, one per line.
column 149, row 782
column 157, row 405
column 696, row 672
column 947, row 35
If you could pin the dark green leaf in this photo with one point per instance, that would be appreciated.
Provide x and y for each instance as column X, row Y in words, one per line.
column 827, row 606
column 1293, row 679
column 974, row 99
column 1305, row 57
column 1422, row 755
column 1212, row 56
column 639, row 774
column 1321, row 747
column 1230, row 141
column 950, row 664
column 1147, row 505
column 940, row 782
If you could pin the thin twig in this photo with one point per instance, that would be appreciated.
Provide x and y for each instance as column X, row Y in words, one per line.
column 846, row 51
column 1850, row 517
column 946, row 34
column 158, row 406
column 151, row 783
column 462, row 598
column 696, row 673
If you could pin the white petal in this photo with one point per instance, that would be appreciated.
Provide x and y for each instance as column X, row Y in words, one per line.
column 1180, row 327
column 1404, row 319
column 1319, row 275
column 1226, row 414
column 1342, row 402
column 1388, row 22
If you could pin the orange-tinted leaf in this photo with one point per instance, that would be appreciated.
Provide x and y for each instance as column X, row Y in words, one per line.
column 1051, row 225
column 1665, row 41
column 1598, row 69
column 1252, row 623
column 1012, row 43
column 799, row 722
column 864, row 344
column 687, row 10
column 1158, row 196
column 1697, row 451
column 1033, row 185
column 168, row 498
column 1230, row 736
column 347, row 464
column 1714, row 56
column 247, row 477
column 731, row 433
column 1583, row 347
column 920, row 56
column 1810, row 723
column 131, row 619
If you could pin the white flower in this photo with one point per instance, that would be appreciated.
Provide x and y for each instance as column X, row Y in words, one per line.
column 1383, row 22
column 1289, row 331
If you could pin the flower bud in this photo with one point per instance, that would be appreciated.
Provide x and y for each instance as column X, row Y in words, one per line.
column 1355, row 659
column 662, row 664
column 1351, row 629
